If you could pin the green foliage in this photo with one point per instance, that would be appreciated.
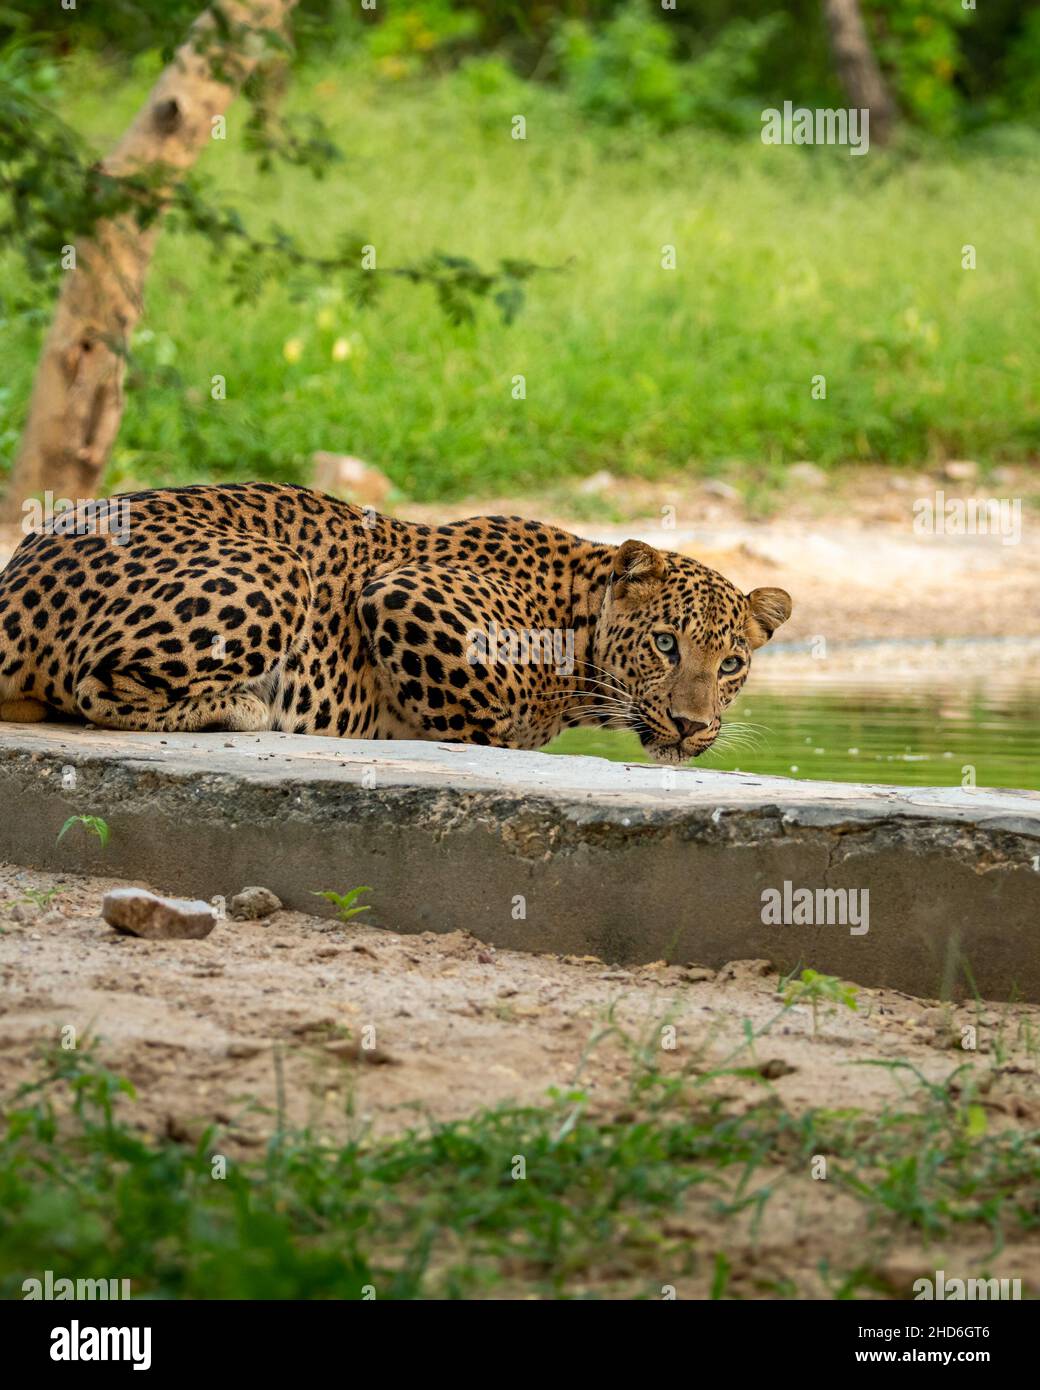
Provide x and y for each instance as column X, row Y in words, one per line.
column 950, row 67
column 917, row 46
column 53, row 190
column 411, row 37
column 627, row 70
column 610, row 1195
column 47, row 190
column 118, row 27
column 40, row 897
column 94, row 824
column 345, row 902
column 722, row 82
column 785, row 268
column 1019, row 95
column 817, row 991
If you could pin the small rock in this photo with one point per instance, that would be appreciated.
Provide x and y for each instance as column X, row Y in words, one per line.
column 960, row 470
column 23, row 912
column 140, row 913
column 774, row 1068
column 254, row 903
column 808, row 474
column 311, row 1026
column 746, row 970
column 1025, row 1109
column 694, row 974
column 486, row 957
column 936, row 1018
column 350, row 477
column 183, row 1129
column 726, row 492
column 596, row 483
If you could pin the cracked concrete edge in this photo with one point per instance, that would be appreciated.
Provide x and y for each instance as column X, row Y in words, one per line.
column 615, row 873
column 526, row 820
column 330, row 772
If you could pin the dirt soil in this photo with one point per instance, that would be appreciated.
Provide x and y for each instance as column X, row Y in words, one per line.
column 197, row 1027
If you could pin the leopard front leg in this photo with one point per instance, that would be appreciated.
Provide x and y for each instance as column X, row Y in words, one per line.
column 441, row 639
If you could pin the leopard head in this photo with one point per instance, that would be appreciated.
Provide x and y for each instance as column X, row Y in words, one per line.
column 673, row 646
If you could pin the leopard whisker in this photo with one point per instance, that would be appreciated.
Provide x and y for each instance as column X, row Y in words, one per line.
column 584, row 710
column 611, row 711
column 591, row 697
column 745, row 740
column 611, row 678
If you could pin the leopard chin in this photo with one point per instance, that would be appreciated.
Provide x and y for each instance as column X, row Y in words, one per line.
column 674, row 755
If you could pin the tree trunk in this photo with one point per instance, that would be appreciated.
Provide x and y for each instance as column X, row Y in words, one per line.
column 77, row 398
column 858, row 67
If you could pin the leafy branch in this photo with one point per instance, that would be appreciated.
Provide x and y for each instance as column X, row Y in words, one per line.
column 56, row 194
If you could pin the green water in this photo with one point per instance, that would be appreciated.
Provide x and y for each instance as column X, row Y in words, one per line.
column 926, row 734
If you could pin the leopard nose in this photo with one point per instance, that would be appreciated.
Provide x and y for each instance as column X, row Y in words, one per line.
column 687, row 727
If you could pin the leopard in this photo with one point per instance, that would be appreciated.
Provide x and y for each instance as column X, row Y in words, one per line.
column 250, row 606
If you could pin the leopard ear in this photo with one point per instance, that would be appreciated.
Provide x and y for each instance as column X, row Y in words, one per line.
column 638, row 570
column 767, row 610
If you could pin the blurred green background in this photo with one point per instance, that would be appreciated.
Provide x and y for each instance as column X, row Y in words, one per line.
column 642, row 131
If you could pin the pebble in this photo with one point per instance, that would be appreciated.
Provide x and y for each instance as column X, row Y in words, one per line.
column 808, row 474
column 960, row 470
column 346, row 476
column 726, row 492
column 140, row 913
column 254, row 903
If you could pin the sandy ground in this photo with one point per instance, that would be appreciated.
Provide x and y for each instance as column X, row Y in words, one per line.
column 197, row 1027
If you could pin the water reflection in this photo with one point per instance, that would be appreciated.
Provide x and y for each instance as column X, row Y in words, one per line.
column 983, row 732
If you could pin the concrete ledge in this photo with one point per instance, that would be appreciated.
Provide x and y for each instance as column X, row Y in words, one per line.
column 540, row 853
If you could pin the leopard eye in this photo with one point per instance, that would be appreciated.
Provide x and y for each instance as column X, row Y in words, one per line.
column 731, row 664
column 664, row 641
